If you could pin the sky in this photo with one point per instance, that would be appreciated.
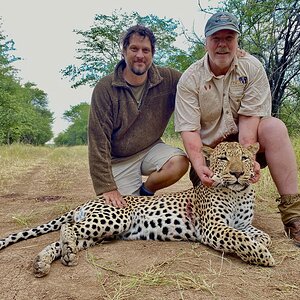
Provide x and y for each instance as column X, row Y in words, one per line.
column 44, row 39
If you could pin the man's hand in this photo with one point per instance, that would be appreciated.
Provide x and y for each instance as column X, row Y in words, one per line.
column 114, row 198
column 256, row 170
column 240, row 52
column 205, row 175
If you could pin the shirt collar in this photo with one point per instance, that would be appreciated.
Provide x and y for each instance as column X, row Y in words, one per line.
column 209, row 75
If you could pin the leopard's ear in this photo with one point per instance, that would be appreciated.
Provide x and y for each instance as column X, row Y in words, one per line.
column 207, row 151
column 253, row 148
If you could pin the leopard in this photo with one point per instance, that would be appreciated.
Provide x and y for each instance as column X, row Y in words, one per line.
column 219, row 216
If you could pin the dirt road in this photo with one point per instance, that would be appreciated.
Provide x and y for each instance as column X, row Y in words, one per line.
column 130, row 270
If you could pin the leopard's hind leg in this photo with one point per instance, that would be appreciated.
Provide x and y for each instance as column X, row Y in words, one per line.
column 72, row 242
column 87, row 233
column 42, row 263
column 78, row 236
column 66, row 249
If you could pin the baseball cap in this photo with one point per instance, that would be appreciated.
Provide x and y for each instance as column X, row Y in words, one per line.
column 220, row 21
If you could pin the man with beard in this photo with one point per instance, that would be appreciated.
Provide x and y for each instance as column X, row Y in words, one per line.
column 223, row 97
column 130, row 110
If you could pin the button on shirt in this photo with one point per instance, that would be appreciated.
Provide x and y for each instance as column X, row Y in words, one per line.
column 211, row 104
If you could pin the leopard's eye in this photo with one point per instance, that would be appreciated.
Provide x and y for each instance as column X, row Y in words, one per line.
column 224, row 158
column 244, row 157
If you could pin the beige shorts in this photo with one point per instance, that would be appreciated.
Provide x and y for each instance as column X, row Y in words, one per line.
column 128, row 172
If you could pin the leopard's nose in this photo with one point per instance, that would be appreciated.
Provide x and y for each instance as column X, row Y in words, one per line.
column 237, row 174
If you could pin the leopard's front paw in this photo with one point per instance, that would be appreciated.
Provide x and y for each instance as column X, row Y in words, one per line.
column 40, row 267
column 264, row 240
column 68, row 257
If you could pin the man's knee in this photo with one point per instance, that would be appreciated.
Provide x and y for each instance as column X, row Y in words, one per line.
column 271, row 126
column 177, row 166
column 271, row 131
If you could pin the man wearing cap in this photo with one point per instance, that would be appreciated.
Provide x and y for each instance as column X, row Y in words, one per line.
column 223, row 97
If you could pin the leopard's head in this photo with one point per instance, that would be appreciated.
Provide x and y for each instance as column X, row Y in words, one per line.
column 231, row 163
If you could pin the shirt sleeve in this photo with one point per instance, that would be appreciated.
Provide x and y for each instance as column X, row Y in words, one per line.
column 99, row 141
column 187, row 110
column 257, row 99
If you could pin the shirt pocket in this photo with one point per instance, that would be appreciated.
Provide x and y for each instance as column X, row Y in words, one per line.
column 209, row 104
column 236, row 94
column 236, row 91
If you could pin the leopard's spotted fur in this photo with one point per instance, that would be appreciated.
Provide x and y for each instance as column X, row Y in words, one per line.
column 219, row 216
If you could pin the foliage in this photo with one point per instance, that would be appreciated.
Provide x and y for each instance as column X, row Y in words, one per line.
column 76, row 133
column 270, row 30
column 100, row 52
column 170, row 130
column 6, row 48
column 100, row 45
column 290, row 112
column 24, row 116
column 181, row 60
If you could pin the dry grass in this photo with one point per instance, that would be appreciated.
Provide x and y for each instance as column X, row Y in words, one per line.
column 196, row 270
column 168, row 271
column 118, row 284
column 24, row 219
column 17, row 159
column 66, row 162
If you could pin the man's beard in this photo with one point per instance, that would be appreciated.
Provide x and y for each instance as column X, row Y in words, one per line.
column 139, row 72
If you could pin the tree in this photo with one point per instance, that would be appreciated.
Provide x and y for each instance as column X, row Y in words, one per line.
column 38, row 119
column 76, row 133
column 100, row 52
column 6, row 49
column 24, row 116
column 8, row 106
column 181, row 60
column 100, row 45
column 290, row 111
column 270, row 30
column 21, row 118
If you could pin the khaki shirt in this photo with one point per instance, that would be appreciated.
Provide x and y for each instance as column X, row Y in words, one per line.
column 211, row 104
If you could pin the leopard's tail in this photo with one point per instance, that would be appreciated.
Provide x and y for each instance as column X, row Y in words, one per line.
column 52, row 225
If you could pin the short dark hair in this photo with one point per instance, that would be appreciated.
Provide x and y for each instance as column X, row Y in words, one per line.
column 140, row 30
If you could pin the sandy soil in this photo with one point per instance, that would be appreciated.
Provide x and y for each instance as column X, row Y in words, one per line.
column 132, row 270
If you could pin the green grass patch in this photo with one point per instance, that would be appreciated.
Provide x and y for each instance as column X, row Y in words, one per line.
column 24, row 219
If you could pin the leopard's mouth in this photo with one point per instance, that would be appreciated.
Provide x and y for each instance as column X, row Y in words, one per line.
column 237, row 186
